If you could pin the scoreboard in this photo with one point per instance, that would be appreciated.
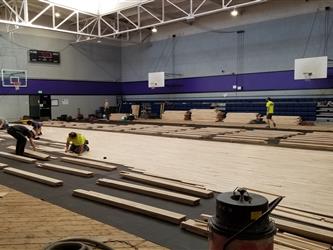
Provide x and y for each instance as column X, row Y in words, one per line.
column 44, row 56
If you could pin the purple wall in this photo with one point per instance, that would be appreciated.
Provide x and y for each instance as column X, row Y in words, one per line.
column 283, row 80
column 63, row 87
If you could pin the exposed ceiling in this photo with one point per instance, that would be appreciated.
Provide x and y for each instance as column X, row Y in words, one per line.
column 114, row 19
column 97, row 7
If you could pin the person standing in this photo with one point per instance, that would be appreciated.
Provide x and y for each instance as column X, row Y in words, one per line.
column 270, row 112
column 106, row 109
column 76, row 143
column 20, row 133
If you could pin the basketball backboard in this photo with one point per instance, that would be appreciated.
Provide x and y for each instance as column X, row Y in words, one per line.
column 14, row 78
column 156, row 79
column 311, row 68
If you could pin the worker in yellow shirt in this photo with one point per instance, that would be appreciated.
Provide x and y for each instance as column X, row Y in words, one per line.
column 76, row 143
column 270, row 112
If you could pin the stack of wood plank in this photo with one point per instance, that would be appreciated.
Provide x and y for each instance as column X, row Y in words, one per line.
column 150, row 191
column 243, row 118
column 177, row 191
column 178, row 186
column 32, row 154
column 136, row 207
column 173, row 115
column 157, row 130
column 117, row 128
column 255, row 136
column 136, row 110
column 117, row 116
column 34, row 177
column 315, row 140
column 204, row 115
column 201, row 133
column 287, row 120
column 218, row 130
column 290, row 235
column 80, row 125
column 54, row 123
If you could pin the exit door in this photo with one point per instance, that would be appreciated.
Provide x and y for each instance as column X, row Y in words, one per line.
column 40, row 107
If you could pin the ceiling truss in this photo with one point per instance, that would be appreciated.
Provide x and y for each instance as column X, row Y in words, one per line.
column 86, row 26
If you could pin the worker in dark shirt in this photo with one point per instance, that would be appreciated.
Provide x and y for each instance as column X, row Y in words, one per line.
column 36, row 126
column 20, row 133
column 3, row 124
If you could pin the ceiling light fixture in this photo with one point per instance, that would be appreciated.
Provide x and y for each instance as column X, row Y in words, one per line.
column 234, row 12
column 154, row 30
column 57, row 14
column 99, row 41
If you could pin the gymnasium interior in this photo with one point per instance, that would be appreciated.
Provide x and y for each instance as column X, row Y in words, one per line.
column 206, row 124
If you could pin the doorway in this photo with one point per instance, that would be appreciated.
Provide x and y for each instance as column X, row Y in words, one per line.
column 40, row 107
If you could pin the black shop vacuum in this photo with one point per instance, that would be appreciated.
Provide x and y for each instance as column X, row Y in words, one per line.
column 242, row 222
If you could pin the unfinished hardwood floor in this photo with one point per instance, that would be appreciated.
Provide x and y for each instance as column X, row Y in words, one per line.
column 26, row 224
column 303, row 176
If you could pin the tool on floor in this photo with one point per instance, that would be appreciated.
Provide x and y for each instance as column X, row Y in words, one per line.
column 77, row 244
column 242, row 222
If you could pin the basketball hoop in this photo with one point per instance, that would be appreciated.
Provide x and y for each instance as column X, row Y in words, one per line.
column 156, row 80
column 16, row 84
column 13, row 78
column 307, row 76
column 153, row 85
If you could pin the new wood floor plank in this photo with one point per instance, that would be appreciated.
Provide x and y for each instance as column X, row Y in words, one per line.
column 3, row 165
column 89, row 163
column 67, row 170
column 32, row 176
column 195, row 227
column 154, row 192
column 305, row 230
column 32, row 154
column 302, row 219
column 167, row 184
column 17, row 157
column 132, row 206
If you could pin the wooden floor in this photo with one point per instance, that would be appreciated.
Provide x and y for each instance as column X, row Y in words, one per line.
column 317, row 127
column 303, row 176
column 31, row 224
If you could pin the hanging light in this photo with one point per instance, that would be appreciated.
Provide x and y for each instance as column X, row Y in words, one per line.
column 234, row 12
column 57, row 14
column 154, row 30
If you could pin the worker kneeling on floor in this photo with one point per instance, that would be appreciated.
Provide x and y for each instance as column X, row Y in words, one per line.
column 76, row 143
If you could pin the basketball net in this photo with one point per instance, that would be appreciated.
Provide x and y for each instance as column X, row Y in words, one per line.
column 16, row 85
column 153, row 86
column 307, row 77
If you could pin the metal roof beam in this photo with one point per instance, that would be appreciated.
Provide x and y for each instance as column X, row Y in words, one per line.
column 124, row 21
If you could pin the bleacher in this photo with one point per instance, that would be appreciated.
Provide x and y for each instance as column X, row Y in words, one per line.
column 306, row 108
